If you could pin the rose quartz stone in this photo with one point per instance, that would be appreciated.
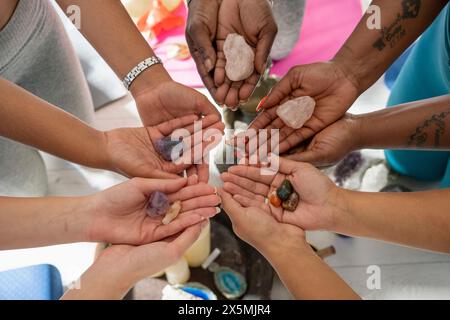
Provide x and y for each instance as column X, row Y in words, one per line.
column 240, row 58
column 296, row 112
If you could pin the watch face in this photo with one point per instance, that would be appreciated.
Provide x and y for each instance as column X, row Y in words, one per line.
column 230, row 283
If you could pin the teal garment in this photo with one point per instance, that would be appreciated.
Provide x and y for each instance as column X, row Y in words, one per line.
column 426, row 74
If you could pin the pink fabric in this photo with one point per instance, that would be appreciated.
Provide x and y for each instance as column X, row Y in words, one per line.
column 326, row 26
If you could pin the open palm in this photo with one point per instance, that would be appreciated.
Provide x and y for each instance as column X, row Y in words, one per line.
column 131, row 151
column 253, row 20
column 250, row 188
column 326, row 83
column 121, row 216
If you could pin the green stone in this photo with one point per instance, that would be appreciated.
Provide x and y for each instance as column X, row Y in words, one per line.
column 285, row 190
column 292, row 202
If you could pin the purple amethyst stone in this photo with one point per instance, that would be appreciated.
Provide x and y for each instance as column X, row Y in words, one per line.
column 158, row 204
column 347, row 167
column 165, row 147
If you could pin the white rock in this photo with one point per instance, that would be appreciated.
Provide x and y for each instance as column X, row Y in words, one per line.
column 296, row 112
column 240, row 58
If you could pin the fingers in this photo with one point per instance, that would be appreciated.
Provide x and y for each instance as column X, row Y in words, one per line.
column 312, row 157
column 186, row 239
column 231, row 206
column 192, row 176
column 166, row 128
column 203, row 172
column 264, row 45
column 176, row 226
column 252, row 173
column 204, row 107
column 200, row 202
column 147, row 186
column 246, row 183
column 202, row 45
column 191, row 192
column 234, row 189
column 246, row 201
column 280, row 91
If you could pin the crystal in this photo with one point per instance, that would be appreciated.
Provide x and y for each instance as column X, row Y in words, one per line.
column 285, row 190
column 165, row 146
column 292, row 202
column 296, row 112
column 275, row 200
column 347, row 167
column 173, row 212
column 158, row 204
column 240, row 58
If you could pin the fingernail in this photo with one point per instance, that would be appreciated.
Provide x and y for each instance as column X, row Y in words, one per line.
column 208, row 64
column 218, row 210
column 261, row 103
column 216, row 192
column 234, row 109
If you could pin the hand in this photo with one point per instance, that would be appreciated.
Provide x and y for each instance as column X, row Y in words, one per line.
column 120, row 215
column 254, row 223
column 332, row 144
column 131, row 151
column 208, row 21
column 120, row 267
column 320, row 200
column 326, row 82
column 170, row 100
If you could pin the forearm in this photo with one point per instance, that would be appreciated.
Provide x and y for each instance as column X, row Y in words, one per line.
column 99, row 283
column 418, row 219
column 305, row 275
column 369, row 52
column 27, row 119
column 36, row 222
column 108, row 27
column 416, row 125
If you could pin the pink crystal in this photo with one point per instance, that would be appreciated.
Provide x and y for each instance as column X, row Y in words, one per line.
column 158, row 204
column 296, row 112
column 240, row 58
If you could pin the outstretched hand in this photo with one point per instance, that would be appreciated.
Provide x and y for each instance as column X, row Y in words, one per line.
column 121, row 216
column 333, row 90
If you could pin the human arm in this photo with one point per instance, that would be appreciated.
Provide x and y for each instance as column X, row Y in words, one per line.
column 304, row 274
column 336, row 84
column 418, row 125
column 416, row 219
column 117, row 215
column 209, row 23
column 120, row 267
column 368, row 52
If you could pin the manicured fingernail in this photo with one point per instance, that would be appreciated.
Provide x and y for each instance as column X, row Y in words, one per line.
column 218, row 210
column 208, row 64
column 216, row 192
column 261, row 103
column 234, row 109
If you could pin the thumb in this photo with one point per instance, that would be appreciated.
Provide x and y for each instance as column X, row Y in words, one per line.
column 265, row 42
column 147, row 186
column 311, row 156
column 202, row 45
column 231, row 206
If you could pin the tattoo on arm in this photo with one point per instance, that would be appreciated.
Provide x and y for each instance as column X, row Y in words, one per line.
column 434, row 127
column 392, row 34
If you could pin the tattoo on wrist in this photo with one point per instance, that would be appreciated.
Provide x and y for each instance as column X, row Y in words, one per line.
column 434, row 126
column 392, row 34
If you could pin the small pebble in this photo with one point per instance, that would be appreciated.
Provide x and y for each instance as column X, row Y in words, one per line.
column 292, row 202
column 275, row 200
column 158, row 204
column 173, row 212
column 285, row 190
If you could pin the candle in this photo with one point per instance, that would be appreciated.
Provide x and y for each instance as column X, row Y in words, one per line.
column 200, row 250
column 178, row 273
